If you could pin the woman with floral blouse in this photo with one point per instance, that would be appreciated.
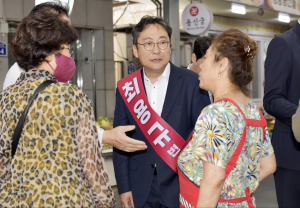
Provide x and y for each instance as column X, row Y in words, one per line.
column 230, row 151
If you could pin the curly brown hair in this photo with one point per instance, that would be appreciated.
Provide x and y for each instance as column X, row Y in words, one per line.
column 240, row 50
column 38, row 35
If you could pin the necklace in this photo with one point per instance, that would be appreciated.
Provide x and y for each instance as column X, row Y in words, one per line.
column 217, row 98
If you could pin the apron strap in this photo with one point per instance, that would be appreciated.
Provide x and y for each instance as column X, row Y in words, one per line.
column 236, row 154
column 249, row 122
column 189, row 191
column 238, row 200
column 248, row 196
column 238, row 150
column 232, row 161
column 258, row 123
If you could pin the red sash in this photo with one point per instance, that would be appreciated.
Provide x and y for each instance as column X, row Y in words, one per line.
column 166, row 142
column 189, row 192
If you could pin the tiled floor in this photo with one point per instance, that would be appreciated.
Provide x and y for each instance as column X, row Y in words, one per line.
column 265, row 194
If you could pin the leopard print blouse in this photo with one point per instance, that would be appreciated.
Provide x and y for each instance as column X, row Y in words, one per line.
column 58, row 162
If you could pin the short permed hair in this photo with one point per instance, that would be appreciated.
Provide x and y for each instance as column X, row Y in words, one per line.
column 201, row 45
column 145, row 22
column 56, row 6
column 38, row 35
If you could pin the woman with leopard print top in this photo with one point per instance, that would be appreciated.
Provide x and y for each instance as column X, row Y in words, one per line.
column 58, row 160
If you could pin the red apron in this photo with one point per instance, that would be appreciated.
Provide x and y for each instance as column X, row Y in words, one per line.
column 189, row 192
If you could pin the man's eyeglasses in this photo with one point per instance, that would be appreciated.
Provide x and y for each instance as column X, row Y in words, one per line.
column 150, row 45
column 70, row 50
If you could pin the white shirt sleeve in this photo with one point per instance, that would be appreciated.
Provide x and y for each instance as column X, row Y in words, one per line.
column 100, row 134
column 12, row 75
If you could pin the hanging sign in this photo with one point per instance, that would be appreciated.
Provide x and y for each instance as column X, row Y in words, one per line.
column 196, row 18
column 3, row 49
column 287, row 6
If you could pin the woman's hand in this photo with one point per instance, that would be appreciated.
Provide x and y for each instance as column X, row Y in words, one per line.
column 211, row 185
column 125, row 198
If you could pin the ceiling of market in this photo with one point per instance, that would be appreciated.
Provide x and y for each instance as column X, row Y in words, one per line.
column 223, row 8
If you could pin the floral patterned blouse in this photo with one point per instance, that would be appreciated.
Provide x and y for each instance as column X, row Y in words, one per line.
column 58, row 160
column 218, row 131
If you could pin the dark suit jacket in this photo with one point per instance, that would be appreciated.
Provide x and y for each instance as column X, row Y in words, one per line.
column 182, row 106
column 296, row 124
column 282, row 93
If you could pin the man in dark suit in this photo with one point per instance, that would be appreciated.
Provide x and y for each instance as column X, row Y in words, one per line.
column 282, row 93
column 143, row 178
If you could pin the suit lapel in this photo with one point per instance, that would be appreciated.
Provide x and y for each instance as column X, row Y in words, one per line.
column 297, row 28
column 174, row 86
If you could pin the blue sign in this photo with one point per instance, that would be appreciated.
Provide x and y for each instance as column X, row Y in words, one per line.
column 131, row 69
column 3, row 49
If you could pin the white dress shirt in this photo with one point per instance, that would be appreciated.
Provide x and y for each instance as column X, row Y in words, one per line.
column 12, row 75
column 156, row 92
column 100, row 135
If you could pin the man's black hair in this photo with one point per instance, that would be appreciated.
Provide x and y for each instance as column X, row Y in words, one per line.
column 145, row 22
column 201, row 45
column 54, row 5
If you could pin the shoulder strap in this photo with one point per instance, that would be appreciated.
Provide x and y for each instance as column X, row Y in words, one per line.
column 249, row 122
column 20, row 124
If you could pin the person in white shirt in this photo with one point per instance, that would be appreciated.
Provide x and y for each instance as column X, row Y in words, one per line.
column 12, row 75
column 115, row 137
column 144, row 178
column 201, row 45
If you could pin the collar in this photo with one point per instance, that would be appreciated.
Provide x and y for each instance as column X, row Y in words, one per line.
column 36, row 74
column 165, row 74
column 189, row 66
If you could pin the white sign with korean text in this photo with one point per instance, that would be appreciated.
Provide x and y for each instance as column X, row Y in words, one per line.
column 196, row 18
column 288, row 6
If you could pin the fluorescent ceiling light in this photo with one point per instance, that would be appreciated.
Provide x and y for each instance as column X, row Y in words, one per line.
column 70, row 3
column 238, row 8
column 283, row 17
